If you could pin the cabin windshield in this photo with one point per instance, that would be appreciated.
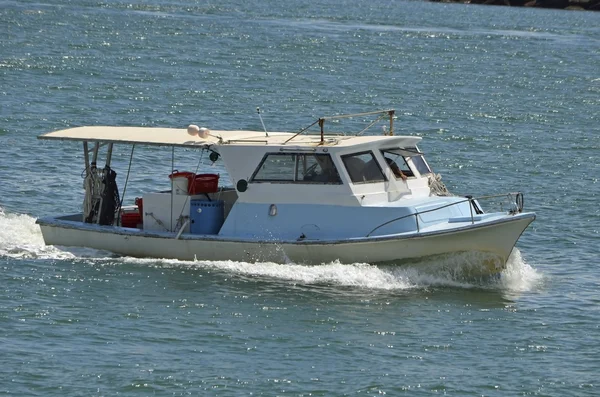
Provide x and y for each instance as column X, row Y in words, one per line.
column 420, row 163
column 404, row 154
column 397, row 163
column 297, row 168
column 363, row 168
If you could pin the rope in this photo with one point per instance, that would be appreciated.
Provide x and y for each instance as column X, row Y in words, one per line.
column 92, row 184
column 437, row 187
column 158, row 221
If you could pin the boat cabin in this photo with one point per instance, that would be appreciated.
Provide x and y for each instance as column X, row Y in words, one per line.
column 349, row 171
column 319, row 185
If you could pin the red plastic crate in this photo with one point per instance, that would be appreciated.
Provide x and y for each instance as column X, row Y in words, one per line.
column 204, row 183
column 200, row 183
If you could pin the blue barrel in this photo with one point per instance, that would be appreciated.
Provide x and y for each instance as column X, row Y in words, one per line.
column 206, row 216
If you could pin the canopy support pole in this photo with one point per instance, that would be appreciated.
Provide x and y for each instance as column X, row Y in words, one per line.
column 125, row 188
column 109, row 154
column 86, row 156
column 172, row 187
column 95, row 154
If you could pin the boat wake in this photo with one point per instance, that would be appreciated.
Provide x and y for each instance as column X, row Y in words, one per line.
column 20, row 238
column 448, row 271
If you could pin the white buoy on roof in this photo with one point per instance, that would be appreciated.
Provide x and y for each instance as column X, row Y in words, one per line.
column 193, row 129
column 203, row 133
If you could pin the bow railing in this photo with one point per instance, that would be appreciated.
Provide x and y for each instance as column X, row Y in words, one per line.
column 515, row 201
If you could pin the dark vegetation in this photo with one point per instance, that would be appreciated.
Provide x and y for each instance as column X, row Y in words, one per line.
column 591, row 5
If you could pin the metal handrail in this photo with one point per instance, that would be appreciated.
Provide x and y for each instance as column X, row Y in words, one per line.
column 519, row 208
column 321, row 122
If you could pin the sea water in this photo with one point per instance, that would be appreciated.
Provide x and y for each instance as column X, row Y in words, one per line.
column 505, row 99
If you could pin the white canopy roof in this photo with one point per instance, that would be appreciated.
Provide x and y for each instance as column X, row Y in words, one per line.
column 180, row 137
column 147, row 135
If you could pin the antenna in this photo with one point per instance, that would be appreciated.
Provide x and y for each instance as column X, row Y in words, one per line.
column 261, row 121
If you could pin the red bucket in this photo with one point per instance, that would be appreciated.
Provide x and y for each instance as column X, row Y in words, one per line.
column 178, row 179
column 204, row 183
column 182, row 174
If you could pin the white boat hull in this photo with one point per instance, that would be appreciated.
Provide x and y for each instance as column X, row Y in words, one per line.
column 496, row 237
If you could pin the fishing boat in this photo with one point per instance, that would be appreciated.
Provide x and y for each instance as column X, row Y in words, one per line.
column 294, row 197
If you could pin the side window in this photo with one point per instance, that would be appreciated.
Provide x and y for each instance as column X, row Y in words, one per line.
column 363, row 168
column 298, row 168
column 317, row 168
column 276, row 167
column 397, row 163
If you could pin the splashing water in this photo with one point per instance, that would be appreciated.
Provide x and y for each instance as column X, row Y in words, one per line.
column 518, row 275
column 21, row 238
column 441, row 272
column 355, row 275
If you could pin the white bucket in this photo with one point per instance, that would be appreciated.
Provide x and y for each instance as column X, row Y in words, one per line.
column 180, row 185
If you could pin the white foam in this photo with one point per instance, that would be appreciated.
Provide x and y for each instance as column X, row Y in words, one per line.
column 355, row 275
column 21, row 238
column 444, row 271
column 518, row 275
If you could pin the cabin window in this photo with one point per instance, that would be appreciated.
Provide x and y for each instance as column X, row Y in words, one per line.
column 317, row 168
column 298, row 168
column 363, row 168
column 397, row 163
column 277, row 167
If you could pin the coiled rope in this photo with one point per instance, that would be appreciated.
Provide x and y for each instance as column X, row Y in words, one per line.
column 437, row 187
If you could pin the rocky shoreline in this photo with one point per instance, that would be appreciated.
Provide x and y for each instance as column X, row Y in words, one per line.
column 589, row 5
